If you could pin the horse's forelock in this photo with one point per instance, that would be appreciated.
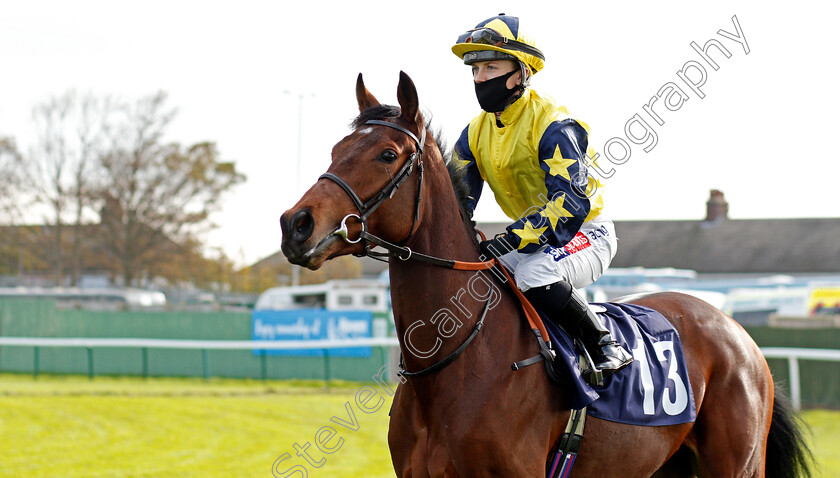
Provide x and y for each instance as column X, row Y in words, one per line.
column 378, row 112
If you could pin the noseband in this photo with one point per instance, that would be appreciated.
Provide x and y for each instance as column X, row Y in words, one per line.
column 368, row 207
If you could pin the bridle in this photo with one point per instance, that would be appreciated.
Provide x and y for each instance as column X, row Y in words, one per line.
column 405, row 253
column 368, row 207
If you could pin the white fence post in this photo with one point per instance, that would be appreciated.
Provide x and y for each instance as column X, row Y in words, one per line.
column 795, row 387
column 793, row 356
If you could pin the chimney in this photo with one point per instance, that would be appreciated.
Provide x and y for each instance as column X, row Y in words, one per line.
column 717, row 209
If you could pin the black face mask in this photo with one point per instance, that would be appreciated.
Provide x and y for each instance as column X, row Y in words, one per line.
column 494, row 95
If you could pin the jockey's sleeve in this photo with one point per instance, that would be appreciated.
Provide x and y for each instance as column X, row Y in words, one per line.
column 463, row 157
column 558, row 220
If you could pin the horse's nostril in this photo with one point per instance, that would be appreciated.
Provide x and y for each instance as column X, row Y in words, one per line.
column 303, row 224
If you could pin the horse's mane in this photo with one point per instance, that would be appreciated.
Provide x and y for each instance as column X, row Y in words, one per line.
column 456, row 173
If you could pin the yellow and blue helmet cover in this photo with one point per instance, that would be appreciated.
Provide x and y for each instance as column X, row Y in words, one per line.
column 499, row 34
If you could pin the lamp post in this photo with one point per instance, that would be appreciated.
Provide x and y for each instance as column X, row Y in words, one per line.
column 300, row 96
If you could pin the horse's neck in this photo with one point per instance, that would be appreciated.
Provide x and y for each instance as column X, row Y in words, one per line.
column 442, row 233
column 431, row 302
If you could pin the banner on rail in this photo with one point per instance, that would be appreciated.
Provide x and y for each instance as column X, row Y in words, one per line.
column 312, row 324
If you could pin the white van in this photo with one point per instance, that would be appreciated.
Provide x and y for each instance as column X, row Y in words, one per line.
column 91, row 299
column 372, row 295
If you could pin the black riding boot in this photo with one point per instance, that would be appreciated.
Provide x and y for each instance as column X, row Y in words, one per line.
column 570, row 311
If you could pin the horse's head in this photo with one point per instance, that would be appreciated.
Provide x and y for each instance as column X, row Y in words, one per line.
column 374, row 182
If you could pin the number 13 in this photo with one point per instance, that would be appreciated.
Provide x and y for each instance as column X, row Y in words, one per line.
column 680, row 401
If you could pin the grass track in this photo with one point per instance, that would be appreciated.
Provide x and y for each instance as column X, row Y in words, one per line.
column 824, row 426
column 71, row 427
column 126, row 427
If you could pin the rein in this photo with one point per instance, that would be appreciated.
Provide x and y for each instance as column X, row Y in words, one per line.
column 405, row 253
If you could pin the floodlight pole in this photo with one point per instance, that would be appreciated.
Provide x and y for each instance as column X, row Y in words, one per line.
column 296, row 268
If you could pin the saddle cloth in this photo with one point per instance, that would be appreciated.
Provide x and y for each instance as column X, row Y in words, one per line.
column 654, row 390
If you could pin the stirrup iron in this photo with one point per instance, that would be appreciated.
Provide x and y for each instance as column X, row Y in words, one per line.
column 590, row 372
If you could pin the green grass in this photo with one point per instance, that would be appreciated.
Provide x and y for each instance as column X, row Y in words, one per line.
column 825, row 440
column 62, row 426
column 121, row 427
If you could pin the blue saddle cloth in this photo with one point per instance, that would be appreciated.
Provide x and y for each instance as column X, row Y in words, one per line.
column 654, row 390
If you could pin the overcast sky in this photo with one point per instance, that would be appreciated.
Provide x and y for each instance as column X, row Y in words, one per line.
column 764, row 132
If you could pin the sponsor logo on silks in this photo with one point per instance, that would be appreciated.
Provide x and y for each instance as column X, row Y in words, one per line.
column 577, row 244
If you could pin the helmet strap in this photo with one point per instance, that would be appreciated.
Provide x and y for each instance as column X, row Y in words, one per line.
column 526, row 76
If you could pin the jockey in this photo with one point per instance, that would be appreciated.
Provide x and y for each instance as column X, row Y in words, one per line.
column 531, row 153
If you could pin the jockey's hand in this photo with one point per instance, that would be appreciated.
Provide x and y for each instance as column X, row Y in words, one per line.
column 495, row 247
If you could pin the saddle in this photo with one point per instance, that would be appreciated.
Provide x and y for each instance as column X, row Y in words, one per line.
column 554, row 369
column 654, row 390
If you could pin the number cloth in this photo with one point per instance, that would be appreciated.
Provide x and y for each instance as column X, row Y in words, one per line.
column 654, row 390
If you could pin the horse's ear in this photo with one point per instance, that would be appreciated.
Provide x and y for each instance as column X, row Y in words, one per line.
column 363, row 96
column 407, row 97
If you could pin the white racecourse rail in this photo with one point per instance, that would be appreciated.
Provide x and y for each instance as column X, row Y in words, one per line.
column 793, row 355
column 200, row 344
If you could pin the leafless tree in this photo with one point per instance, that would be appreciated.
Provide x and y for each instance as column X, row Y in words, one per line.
column 155, row 195
column 11, row 253
column 92, row 127
column 57, row 172
column 10, row 184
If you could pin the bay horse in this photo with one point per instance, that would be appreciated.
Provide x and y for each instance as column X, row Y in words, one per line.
column 476, row 417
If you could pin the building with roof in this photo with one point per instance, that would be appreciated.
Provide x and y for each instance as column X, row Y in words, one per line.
column 714, row 253
column 718, row 245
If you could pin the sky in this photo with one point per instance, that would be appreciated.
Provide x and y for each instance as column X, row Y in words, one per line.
column 272, row 83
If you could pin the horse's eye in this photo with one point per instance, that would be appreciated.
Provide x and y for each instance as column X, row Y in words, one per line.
column 388, row 156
